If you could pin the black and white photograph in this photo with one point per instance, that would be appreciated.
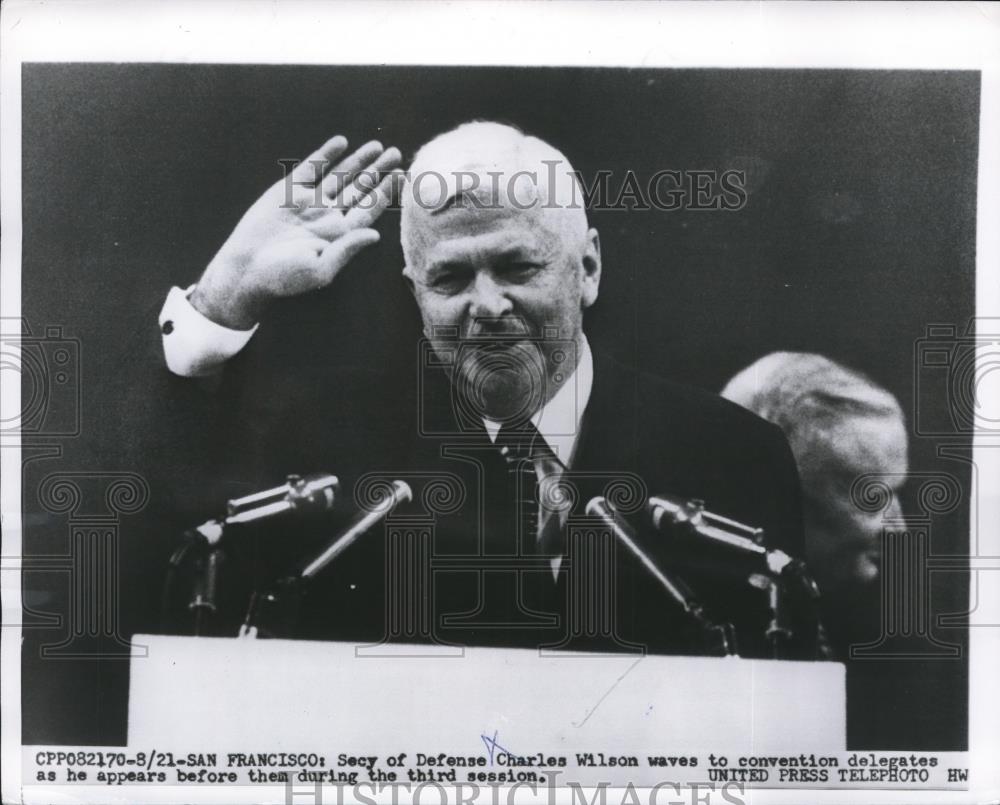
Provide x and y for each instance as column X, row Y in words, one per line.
column 392, row 426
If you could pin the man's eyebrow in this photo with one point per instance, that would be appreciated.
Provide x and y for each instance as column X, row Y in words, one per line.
column 446, row 265
column 519, row 251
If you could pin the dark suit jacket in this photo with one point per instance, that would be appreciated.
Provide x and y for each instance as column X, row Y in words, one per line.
column 452, row 568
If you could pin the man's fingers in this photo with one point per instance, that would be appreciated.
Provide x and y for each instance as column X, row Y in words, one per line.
column 343, row 174
column 367, row 179
column 340, row 252
column 363, row 214
column 368, row 209
column 314, row 166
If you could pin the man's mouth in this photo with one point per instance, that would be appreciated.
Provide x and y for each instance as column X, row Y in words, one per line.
column 504, row 328
column 507, row 362
column 490, row 346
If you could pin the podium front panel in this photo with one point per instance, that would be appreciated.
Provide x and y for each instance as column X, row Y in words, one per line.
column 283, row 695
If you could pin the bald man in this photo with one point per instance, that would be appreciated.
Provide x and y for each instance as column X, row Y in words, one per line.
column 840, row 426
column 514, row 407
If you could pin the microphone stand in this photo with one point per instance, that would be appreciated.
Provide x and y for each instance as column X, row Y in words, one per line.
column 204, row 588
column 795, row 578
column 780, row 631
column 203, row 602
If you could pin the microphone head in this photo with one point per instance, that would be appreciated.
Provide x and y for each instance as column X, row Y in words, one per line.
column 317, row 492
column 654, row 510
column 402, row 491
column 676, row 510
column 660, row 506
column 596, row 507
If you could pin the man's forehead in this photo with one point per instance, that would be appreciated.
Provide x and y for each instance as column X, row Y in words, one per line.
column 435, row 188
column 472, row 215
column 485, row 177
column 467, row 233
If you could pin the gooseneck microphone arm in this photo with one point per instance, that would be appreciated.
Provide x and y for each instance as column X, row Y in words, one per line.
column 720, row 634
column 400, row 492
column 737, row 544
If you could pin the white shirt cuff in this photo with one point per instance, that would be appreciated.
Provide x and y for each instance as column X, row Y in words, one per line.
column 193, row 345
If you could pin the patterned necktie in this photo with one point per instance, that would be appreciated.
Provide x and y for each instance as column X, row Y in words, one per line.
column 538, row 470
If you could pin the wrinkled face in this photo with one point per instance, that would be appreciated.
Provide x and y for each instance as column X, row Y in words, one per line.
column 502, row 291
column 844, row 540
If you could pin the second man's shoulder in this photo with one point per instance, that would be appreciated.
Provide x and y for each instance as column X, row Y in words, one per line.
column 659, row 404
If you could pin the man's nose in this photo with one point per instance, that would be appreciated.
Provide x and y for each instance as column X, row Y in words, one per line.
column 489, row 299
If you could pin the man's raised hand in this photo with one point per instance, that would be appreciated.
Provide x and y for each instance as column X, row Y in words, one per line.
column 300, row 233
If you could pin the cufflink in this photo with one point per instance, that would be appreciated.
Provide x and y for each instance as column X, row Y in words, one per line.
column 168, row 327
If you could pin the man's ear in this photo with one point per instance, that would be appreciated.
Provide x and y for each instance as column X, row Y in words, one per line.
column 591, row 263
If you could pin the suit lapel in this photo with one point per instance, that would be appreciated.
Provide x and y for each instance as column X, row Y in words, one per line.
column 608, row 433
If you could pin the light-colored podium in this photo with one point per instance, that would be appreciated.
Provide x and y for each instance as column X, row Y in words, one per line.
column 283, row 695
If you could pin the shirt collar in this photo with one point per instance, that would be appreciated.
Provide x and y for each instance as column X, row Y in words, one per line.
column 558, row 421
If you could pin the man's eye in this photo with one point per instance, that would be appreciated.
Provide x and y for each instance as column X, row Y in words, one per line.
column 521, row 269
column 449, row 283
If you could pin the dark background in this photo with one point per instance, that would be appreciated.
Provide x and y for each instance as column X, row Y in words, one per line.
column 859, row 232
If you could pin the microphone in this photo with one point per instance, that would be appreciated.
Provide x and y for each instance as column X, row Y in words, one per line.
column 673, row 586
column 399, row 492
column 287, row 590
column 697, row 534
column 673, row 517
column 299, row 494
